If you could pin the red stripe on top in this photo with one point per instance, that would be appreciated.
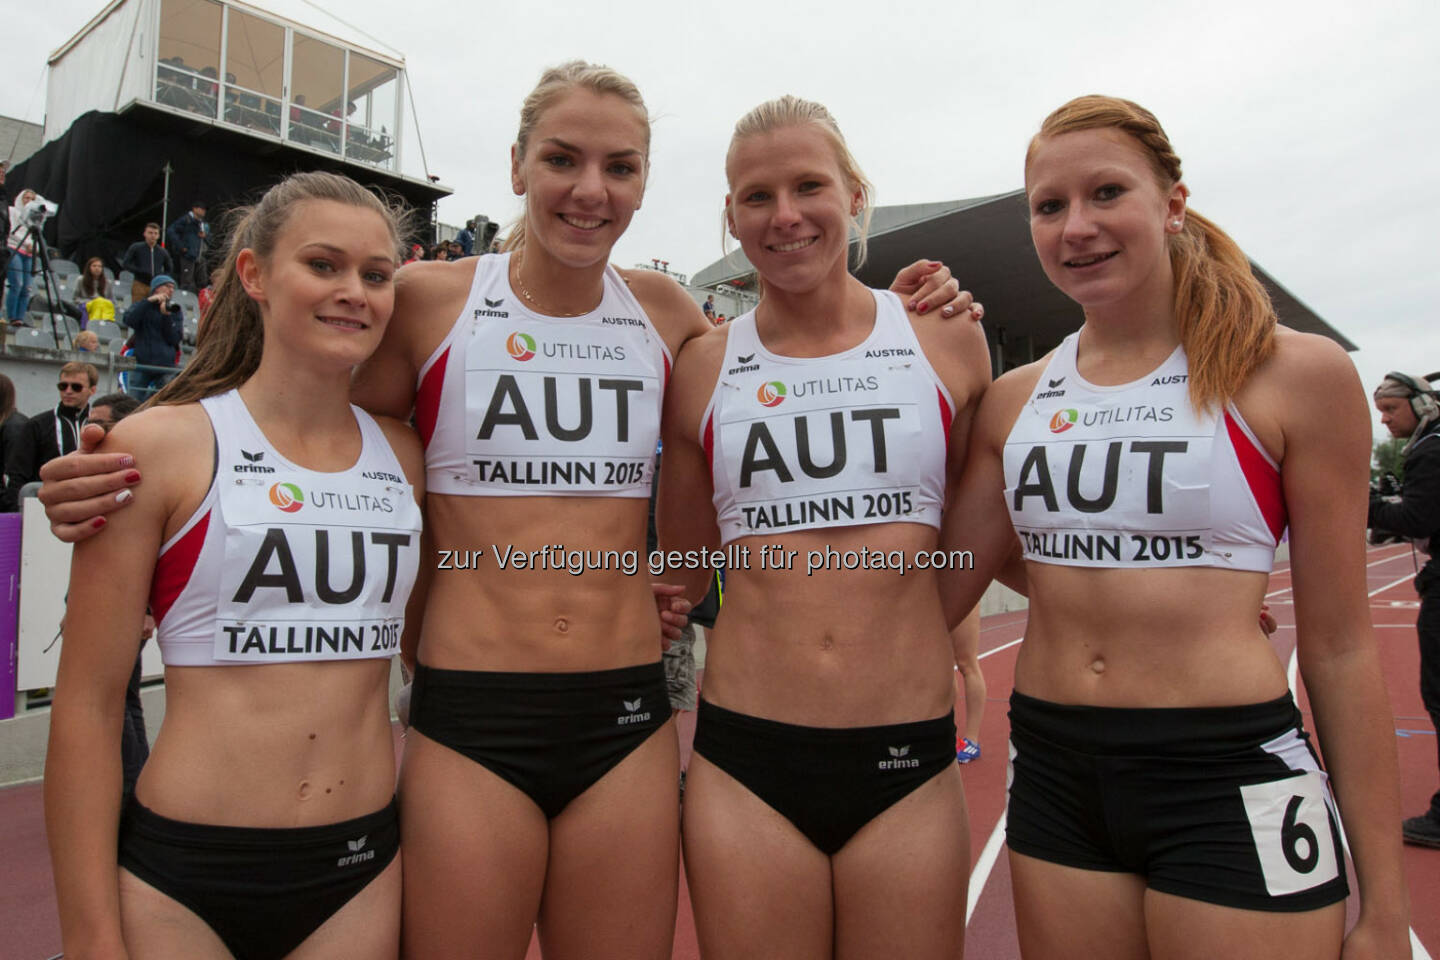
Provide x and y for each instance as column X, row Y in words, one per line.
column 427, row 398
column 1263, row 478
column 947, row 417
column 173, row 569
column 707, row 440
column 666, row 384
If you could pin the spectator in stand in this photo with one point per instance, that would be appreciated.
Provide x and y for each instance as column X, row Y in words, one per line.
column 156, row 325
column 206, row 297
column 719, row 319
column 4, row 205
column 22, row 249
column 417, row 252
column 52, row 433
column 708, row 308
column 456, row 250
column 92, row 286
column 86, row 341
column 466, row 237
column 441, row 251
column 186, row 238
column 146, row 259
column 12, row 426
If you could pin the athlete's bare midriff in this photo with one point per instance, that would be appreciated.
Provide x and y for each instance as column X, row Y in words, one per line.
column 837, row 648
column 272, row 745
column 1189, row 638
column 518, row 617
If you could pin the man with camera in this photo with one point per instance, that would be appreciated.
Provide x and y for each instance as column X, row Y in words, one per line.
column 156, row 324
column 1409, row 408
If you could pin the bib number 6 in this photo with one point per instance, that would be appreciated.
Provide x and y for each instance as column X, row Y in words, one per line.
column 1290, row 825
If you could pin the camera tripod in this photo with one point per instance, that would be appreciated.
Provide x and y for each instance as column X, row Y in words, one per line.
column 47, row 276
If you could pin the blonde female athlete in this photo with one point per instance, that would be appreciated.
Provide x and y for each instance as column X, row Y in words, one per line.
column 823, row 803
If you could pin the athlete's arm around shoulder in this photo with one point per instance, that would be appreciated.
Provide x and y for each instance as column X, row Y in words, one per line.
column 429, row 296
column 412, row 462
column 684, row 510
column 976, row 519
column 676, row 317
column 1322, row 411
column 109, row 581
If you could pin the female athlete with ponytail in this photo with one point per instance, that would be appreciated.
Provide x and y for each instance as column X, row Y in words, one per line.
column 277, row 550
column 1166, row 801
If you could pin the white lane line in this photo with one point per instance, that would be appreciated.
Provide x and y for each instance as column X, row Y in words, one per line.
column 981, row 874
column 1393, row 583
column 1003, row 646
column 1372, row 563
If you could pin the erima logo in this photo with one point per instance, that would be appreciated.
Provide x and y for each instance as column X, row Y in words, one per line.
column 491, row 311
column 254, row 465
column 745, row 365
column 633, row 714
column 1056, row 383
column 356, row 855
column 898, row 759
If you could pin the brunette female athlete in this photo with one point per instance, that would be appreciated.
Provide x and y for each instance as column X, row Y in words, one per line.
column 277, row 549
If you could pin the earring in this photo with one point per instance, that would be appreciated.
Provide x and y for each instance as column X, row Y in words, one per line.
column 1176, row 224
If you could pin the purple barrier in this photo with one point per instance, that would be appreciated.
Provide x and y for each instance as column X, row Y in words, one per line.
column 9, row 609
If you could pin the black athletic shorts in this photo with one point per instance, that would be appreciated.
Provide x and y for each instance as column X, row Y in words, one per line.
column 1227, row 805
column 263, row 890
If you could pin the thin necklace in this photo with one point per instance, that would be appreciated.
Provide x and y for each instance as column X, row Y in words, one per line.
column 519, row 263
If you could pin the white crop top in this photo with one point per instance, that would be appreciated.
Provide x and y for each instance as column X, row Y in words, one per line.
column 516, row 404
column 280, row 564
column 1131, row 476
column 802, row 443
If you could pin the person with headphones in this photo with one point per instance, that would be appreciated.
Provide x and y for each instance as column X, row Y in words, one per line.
column 1409, row 408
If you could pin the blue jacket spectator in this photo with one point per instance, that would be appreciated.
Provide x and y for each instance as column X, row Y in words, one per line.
column 156, row 325
column 184, row 236
column 466, row 239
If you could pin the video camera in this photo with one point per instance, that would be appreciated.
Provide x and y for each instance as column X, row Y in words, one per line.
column 37, row 211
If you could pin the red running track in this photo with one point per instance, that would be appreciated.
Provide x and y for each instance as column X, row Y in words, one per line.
column 31, row 929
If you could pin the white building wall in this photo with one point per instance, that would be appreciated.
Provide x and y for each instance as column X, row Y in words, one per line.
column 109, row 66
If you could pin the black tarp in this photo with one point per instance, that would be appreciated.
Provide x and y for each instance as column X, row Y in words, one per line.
column 107, row 172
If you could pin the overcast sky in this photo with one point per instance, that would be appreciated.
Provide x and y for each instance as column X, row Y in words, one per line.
column 1309, row 131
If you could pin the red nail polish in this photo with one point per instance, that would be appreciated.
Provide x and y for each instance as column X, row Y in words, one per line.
column 97, row 523
column 133, row 476
column 922, row 308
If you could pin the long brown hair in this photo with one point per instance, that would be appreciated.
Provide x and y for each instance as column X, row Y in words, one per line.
column 554, row 84
column 1227, row 322
column 7, row 397
column 232, row 338
column 91, row 285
